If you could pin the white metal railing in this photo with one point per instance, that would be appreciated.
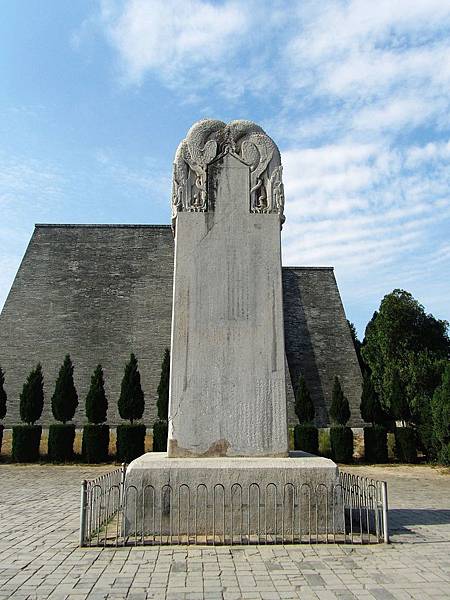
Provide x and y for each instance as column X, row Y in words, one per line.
column 99, row 505
column 354, row 510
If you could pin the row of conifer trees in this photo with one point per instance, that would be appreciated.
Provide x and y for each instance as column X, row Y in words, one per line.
column 130, row 437
column 306, row 434
column 405, row 362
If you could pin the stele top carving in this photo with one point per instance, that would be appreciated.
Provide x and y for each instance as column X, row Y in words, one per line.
column 209, row 139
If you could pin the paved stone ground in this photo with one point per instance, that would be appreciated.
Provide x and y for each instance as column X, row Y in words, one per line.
column 39, row 557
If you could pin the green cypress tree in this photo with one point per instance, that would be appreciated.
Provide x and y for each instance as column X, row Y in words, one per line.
column 306, row 435
column 340, row 409
column 96, row 401
column 405, row 437
column 441, row 417
column 32, row 397
column 371, row 409
column 2, row 395
column 65, row 397
column 304, row 406
column 131, row 401
column 341, row 436
column 375, row 436
column 357, row 345
column 163, row 388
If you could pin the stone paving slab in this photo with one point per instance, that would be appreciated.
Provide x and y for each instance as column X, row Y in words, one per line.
column 39, row 557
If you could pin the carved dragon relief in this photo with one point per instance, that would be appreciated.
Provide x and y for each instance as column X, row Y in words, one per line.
column 209, row 139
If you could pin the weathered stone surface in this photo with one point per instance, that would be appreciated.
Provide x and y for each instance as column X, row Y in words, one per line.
column 227, row 394
column 158, row 482
column 209, row 139
column 100, row 292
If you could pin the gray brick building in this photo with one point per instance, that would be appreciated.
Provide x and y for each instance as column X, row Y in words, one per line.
column 100, row 292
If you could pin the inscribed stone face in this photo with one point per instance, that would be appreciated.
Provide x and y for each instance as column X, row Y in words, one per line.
column 227, row 391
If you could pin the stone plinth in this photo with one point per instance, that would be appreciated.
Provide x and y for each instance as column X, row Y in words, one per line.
column 216, row 493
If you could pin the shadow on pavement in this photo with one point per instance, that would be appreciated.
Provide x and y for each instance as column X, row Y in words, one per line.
column 423, row 516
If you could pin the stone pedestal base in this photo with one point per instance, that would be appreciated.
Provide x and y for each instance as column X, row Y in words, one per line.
column 233, row 500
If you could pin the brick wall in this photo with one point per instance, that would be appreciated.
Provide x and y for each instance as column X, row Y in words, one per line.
column 318, row 340
column 101, row 292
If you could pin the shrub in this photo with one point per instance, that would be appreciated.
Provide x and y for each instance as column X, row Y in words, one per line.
column 444, row 454
column 27, row 438
column 306, row 438
column 440, row 408
column 424, row 426
column 304, row 406
column 402, row 337
column 341, row 439
column 391, row 445
column 340, row 409
column 32, row 397
column 160, row 430
column 370, row 407
column 25, row 443
column 60, row 442
column 397, row 399
column 131, row 400
column 2, row 396
column 64, row 403
column 130, row 441
column 96, row 401
column 65, row 397
column 375, row 444
column 95, row 444
column 163, row 388
column 405, row 444
column 324, row 443
column 160, row 427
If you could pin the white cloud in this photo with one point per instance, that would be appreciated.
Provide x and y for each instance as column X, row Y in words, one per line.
column 396, row 113
column 369, row 71
column 357, row 94
column 433, row 151
column 361, row 23
column 346, row 85
column 367, row 210
column 170, row 36
column 377, row 65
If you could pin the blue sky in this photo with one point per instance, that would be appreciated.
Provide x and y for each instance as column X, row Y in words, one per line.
column 95, row 96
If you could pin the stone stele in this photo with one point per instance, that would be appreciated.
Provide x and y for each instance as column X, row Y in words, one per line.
column 227, row 383
column 227, row 408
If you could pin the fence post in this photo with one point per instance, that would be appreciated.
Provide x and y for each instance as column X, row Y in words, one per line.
column 384, row 498
column 83, row 507
column 122, row 484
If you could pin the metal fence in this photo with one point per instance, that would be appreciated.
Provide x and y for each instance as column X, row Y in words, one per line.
column 100, row 504
column 353, row 510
